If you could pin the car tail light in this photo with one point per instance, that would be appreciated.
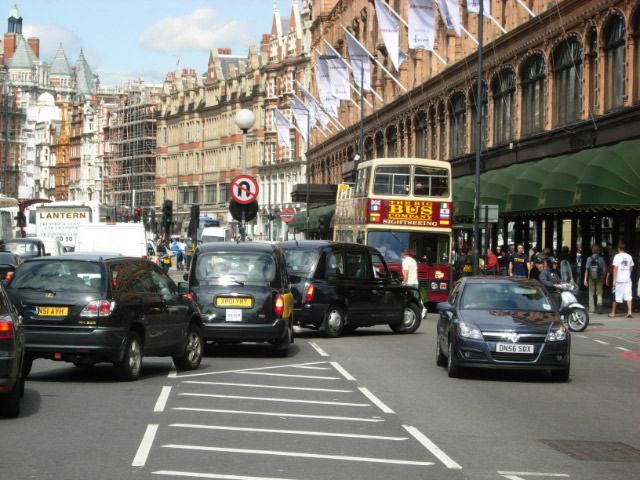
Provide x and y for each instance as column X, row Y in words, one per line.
column 8, row 276
column 310, row 291
column 279, row 305
column 189, row 296
column 98, row 308
column 144, row 257
column 7, row 330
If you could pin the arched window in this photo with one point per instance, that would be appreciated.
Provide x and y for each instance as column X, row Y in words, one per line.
column 421, row 134
column 392, row 141
column 504, row 106
column 379, row 140
column 614, row 63
column 457, row 125
column 474, row 117
column 442, row 125
column 592, row 59
column 433, row 130
column 636, row 58
column 350, row 153
column 533, row 95
column 567, row 81
column 368, row 148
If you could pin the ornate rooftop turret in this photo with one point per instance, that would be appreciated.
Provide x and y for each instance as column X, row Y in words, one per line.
column 60, row 64
column 84, row 76
column 21, row 57
column 15, row 20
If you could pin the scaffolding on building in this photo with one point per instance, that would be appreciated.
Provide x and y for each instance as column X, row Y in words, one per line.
column 133, row 162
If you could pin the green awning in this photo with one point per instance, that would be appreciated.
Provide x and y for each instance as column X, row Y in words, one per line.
column 458, row 184
column 497, row 188
column 611, row 180
column 560, row 185
column 299, row 222
column 525, row 190
column 465, row 200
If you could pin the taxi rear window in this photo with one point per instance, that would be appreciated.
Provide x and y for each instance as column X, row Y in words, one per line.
column 239, row 267
column 71, row 276
column 301, row 260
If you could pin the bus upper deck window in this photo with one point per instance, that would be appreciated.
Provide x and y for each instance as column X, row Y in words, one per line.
column 431, row 182
column 392, row 180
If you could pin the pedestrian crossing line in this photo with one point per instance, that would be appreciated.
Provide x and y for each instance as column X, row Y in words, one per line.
column 344, row 373
column 277, row 387
column 534, row 474
column 375, row 400
column 300, row 455
column 200, row 374
column 270, row 399
column 290, row 432
column 623, row 349
column 432, row 447
column 145, row 445
column 173, row 373
column 289, row 375
column 274, row 414
column 600, row 341
column 162, row 399
column 311, row 368
column 318, row 349
column 214, row 475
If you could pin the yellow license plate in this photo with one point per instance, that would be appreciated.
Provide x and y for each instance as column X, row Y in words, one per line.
column 233, row 302
column 52, row 311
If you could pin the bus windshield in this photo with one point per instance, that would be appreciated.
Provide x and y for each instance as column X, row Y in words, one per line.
column 426, row 247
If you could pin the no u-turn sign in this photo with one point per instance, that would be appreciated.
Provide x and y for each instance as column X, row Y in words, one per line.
column 244, row 189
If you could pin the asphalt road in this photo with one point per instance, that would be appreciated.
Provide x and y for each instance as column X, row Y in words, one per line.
column 371, row 405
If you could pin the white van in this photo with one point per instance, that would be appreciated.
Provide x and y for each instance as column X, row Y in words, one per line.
column 213, row 234
column 52, row 246
column 127, row 239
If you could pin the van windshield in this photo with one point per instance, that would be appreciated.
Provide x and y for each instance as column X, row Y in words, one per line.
column 225, row 268
column 69, row 276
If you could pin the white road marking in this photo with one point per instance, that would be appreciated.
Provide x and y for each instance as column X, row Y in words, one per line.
column 432, row 447
column 284, row 400
column 162, row 399
column 173, row 373
column 289, row 375
column 292, row 432
column 581, row 336
column 623, row 349
column 300, row 455
column 247, row 369
column 251, row 385
column 375, row 400
column 311, row 368
column 600, row 341
column 214, row 475
column 513, row 477
column 318, row 349
column 274, row 414
column 534, row 474
column 344, row 373
column 145, row 446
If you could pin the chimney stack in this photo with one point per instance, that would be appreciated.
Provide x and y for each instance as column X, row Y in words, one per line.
column 34, row 43
column 9, row 45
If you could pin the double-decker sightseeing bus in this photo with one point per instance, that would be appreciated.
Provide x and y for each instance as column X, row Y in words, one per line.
column 401, row 203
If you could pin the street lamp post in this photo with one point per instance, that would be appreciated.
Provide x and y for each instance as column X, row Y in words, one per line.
column 244, row 120
column 476, row 210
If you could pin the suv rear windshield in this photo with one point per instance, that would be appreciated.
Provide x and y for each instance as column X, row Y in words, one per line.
column 301, row 260
column 215, row 268
column 70, row 276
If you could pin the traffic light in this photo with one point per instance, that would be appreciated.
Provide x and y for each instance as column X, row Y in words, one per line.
column 118, row 212
column 323, row 226
column 126, row 217
column 167, row 215
column 272, row 217
column 137, row 214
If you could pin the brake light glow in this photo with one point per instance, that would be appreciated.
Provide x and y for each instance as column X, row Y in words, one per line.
column 98, row 308
column 279, row 307
column 144, row 257
column 7, row 330
column 8, row 276
column 310, row 291
column 189, row 296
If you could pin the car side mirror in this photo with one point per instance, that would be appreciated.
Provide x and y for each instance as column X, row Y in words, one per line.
column 185, row 277
column 183, row 288
column 444, row 307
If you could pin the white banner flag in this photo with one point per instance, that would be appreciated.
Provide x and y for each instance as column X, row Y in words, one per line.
column 338, row 74
column 390, row 34
column 282, row 126
column 422, row 24
column 302, row 115
column 356, row 51
column 450, row 14
column 327, row 98
column 473, row 6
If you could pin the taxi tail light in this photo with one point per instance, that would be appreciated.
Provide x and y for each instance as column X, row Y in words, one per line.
column 310, row 291
column 7, row 330
column 8, row 276
column 279, row 307
column 189, row 296
column 98, row 308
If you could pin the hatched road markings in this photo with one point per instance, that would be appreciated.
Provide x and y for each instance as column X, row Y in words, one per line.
column 215, row 406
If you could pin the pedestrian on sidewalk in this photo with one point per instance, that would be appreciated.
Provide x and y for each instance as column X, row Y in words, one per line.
column 622, row 268
column 594, row 274
column 409, row 269
column 519, row 265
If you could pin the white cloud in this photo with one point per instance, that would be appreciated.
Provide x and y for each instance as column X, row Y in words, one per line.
column 51, row 35
column 116, row 78
column 198, row 30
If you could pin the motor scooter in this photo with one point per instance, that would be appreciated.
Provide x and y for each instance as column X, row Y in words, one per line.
column 578, row 318
column 166, row 262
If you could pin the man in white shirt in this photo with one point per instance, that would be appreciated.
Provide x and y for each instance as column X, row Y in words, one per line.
column 622, row 268
column 409, row 269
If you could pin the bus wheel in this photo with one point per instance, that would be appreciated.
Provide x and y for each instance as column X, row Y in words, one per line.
column 411, row 319
column 334, row 322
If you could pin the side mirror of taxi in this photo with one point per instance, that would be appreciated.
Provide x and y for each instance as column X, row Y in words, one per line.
column 185, row 277
column 183, row 288
column 444, row 307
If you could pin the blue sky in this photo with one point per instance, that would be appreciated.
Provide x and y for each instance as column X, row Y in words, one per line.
column 123, row 40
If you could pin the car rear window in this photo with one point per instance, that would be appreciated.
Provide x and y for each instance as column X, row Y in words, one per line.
column 301, row 260
column 7, row 259
column 229, row 267
column 24, row 249
column 70, row 276
column 505, row 296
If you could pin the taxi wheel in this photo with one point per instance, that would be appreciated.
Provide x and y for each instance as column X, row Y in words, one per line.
column 129, row 368
column 411, row 319
column 334, row 322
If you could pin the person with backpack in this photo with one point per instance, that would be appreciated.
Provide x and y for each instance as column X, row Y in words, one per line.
column 463, row 265
column 594, row 274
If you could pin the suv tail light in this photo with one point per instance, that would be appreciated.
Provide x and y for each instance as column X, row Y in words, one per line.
column 279, row 307
column 7, row 330
column 98, row 308
column 310, row 291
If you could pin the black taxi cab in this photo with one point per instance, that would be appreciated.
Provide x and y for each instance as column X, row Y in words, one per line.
column 243, row 293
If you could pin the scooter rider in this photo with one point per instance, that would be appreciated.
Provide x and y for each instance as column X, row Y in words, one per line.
column 550, row 278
